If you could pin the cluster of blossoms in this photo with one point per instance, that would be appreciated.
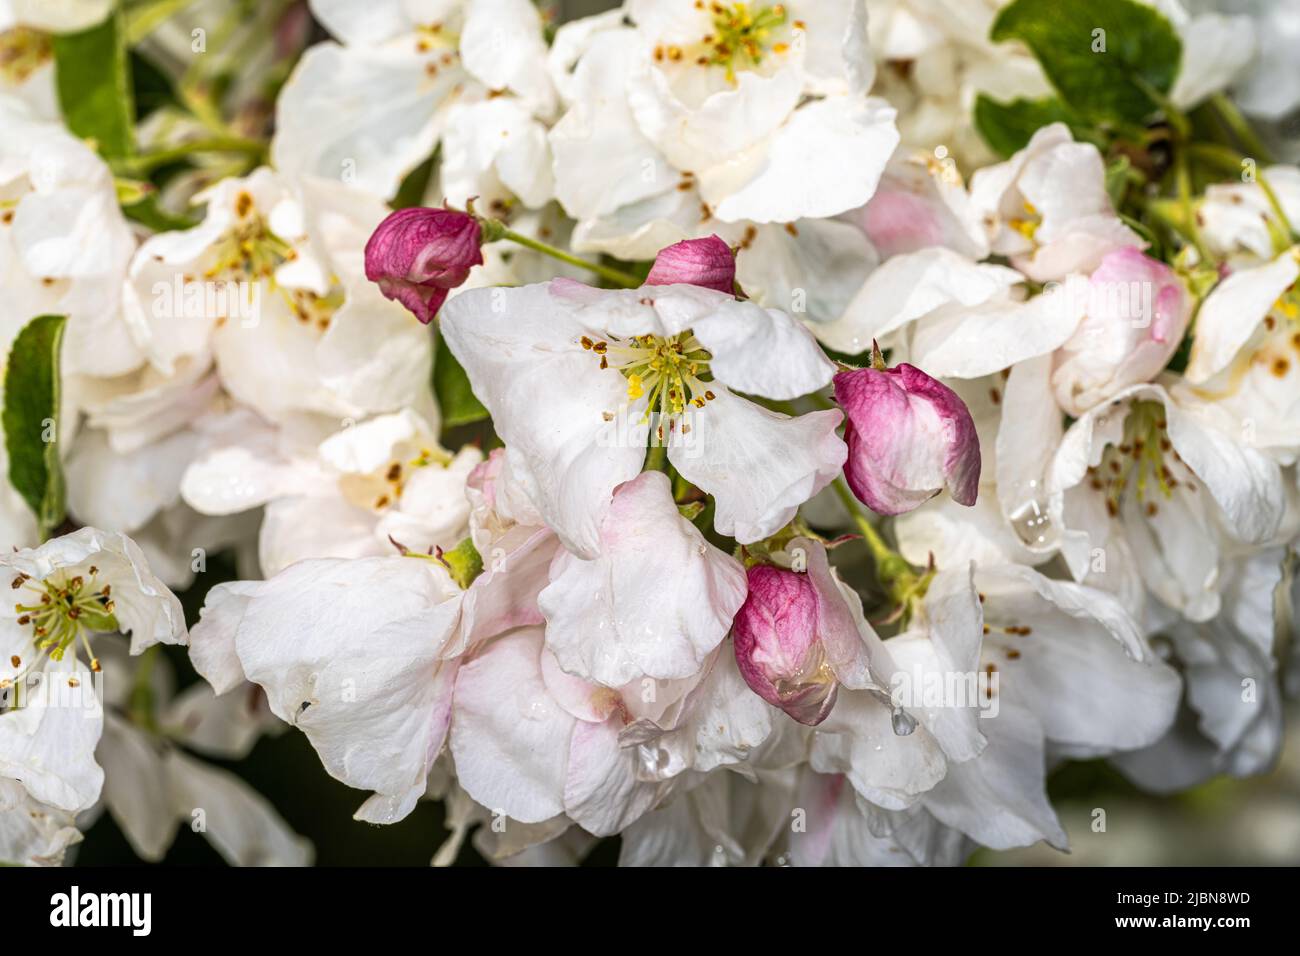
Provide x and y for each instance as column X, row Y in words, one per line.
column 769, row 433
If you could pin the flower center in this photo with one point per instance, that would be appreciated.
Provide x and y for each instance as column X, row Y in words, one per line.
column 1139, row 460
column 1027, row 225
column 739, row 39
column 670, row 373
column 22, row 52
column 382, row 488
column 313, row 309
column 249, row 249
column 60, row 610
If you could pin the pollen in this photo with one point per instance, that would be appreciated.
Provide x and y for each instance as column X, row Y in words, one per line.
column 671, row 373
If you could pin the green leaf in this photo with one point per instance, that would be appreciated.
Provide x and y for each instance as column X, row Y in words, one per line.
column 1109, row 59
column 411, row 192
column 94, row 81
column 1007, row 127
column 1119, row 174
column 459, row 404
column 149, row 212
column 31, row 419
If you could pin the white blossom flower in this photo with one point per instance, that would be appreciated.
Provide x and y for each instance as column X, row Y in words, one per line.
column 69, row 594
column 578, row 378
column 700, row 114
column 369, row 110
column 271, row 285
column 351, row 495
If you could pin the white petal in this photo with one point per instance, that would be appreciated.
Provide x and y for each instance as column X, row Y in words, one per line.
column 31, row 833
column 601, row 791
column 135, row 788
column 858, row 740
column 509, row 737
column 655, row 602
column 1220, row 46
column 800, row 172
column 760, row 466
column 906, row 288
column 1233, row 311
column 547, row 397
column 360, row 112
column 762, row 351
column 814, row 272
column 602, row 160
column 998, row 798
column 240, row 823
column 212, row 641
column 968, row 343
column 50, row 744
column 501, row 45
column 348, row 652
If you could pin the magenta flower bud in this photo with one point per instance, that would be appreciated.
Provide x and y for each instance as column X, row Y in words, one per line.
column 417, row 255
column 776, row 634
column 706, row 262
column 909, row 437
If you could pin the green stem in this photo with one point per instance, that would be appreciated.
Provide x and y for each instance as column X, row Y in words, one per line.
column 147, row 162
column 1184, row 179
column 1240, row 128
column 656, row 457
column 141, row 700
column 1276, row 204
column 143, row 18
column 1177, row 118
column 624, row 279
column 880, row 551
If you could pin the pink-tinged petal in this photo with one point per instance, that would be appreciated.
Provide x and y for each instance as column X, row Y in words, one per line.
column 909, row 436
column 417, row 255
column 1138, row 310
column 777, row 647
column 706, row 262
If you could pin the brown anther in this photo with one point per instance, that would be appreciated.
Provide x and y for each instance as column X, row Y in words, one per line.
column 16, row 661
column 394, row 472
column 792, row 229
column 243, row 204
column 1013, row 654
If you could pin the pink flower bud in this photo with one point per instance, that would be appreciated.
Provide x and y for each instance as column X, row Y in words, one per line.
column 909, row 437
column 1137, row 313
column 776, row 634
column 417, row 255
column 704, row 262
